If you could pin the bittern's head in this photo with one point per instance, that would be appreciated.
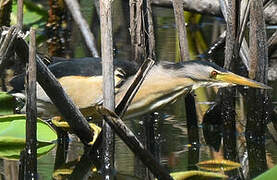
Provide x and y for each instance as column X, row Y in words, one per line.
column 205, row 73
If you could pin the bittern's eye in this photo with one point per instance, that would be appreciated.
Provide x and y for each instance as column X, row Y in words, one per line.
column 213, row 74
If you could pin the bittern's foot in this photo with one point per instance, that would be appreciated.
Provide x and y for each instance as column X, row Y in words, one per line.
column 59, row 122
column 96, row 132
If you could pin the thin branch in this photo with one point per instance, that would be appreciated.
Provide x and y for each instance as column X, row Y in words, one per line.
column 20, row 13
column 31, row 109
column 74, row 8
column 181, row 29
column 258, row 100
column 151, row 34
column 108, row 85
column 211, row 7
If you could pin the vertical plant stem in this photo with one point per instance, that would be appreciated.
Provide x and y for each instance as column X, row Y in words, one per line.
column 244, row 18
column 258, row 100
column 31, row 109
column 258, row 43
column 20, row 14
column 5, row 13
column 137, row 30
column 192, row 123
column 140, row 52
column 228, row 94
column 149, row 49
column 181, row 28
column 232, row 20
column 108, row 85
column 132, row 28
column 150, row 29
column 144, row 46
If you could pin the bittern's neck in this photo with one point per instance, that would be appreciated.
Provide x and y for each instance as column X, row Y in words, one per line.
column 160, row 87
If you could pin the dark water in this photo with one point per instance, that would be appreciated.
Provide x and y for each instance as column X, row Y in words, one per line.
column 170, row 130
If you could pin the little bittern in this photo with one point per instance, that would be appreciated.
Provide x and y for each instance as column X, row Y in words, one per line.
column 166, row 81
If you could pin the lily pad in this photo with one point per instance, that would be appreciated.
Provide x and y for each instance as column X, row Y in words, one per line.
column 218, row 165
column 269, row 174
column 12, row 136
column 197, row 175
column 7, row 103
column 12, row 128
column 13, row 152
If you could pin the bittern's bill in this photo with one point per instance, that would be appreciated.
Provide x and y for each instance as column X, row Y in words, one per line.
column 166, row 81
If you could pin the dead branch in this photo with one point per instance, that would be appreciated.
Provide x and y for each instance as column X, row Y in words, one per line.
column 211, row 7
column 74, row 8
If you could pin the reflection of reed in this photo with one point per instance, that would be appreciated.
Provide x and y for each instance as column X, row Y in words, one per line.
column 10, row 169
column 125, row 159
column 173, row 120
column 73, row 147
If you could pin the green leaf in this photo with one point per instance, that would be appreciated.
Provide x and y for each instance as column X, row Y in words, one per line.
column 197, row 175
column 33, row 13
column 12, row 136
column 7, row 103
column 36, row 7
column 269, row 174
column 218, row 165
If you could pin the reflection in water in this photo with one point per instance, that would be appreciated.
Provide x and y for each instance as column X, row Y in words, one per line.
column 257, row 118
column 213, row 127
column 10, row 169
column 193, row 132
column 149, row 136
column 171, row 140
